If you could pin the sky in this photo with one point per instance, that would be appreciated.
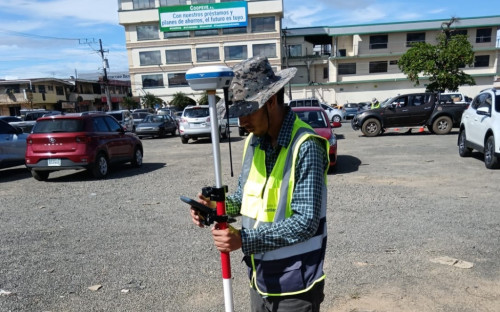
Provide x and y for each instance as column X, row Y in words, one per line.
column 60, row 38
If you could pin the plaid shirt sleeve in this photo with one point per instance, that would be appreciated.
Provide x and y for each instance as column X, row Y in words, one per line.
column 306, row 204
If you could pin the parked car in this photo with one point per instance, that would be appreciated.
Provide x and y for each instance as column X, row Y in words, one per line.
column 455, row 97
column 156, row 125
column 480, row 128
column 334, row 114
column 80, row 141
column 124, row 117
column 317, row 118
column 410, row 110
column 195, row 123
column 12, row 145
column 350, row 110
column 17, row 122
column 34, row 114
column 307, row 102
column 362, row 106
column 138, row 117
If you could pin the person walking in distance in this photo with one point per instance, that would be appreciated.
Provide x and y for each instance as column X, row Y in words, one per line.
column 281, row 194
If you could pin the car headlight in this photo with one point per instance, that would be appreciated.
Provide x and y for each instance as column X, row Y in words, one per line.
column 333, row 140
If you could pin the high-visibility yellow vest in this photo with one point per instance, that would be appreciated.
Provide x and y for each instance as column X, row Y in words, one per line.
column 292, row 269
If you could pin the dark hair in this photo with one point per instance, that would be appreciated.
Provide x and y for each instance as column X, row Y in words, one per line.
column 280, row 96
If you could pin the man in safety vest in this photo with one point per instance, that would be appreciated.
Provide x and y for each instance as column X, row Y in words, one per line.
column 281, row 194
column 375, row 103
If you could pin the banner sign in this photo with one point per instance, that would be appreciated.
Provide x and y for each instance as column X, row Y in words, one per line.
column 203, row 16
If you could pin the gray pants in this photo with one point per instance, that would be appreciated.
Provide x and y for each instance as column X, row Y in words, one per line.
column 306, row 302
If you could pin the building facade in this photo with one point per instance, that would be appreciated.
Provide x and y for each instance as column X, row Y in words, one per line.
column 337, row 65
column 158, row 60
column 356, row 63
column 67, row 95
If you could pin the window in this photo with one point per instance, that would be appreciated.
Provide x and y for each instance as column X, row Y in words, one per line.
column 178, row 56
column 483, row 35
column 144, row 4
column 207, row 54
column 459, row 32
column 267, row 49
column 325, row 72
column 295, row 50
column 41, row 89
column 175, row 34
column 263, row 24
column 147, row 32
column 59, row 90
column 378, row 67
column 347, row 69
column 206, row 32
column 50, row 88
column 393, row 62
column 177, row 80
column 378, row 42
column 412, row 38
column 481, row 61
column 235, row 52
column 234, row 30
column 150, row 58
column 202, row 1
column 172, row 2
column 152, row 81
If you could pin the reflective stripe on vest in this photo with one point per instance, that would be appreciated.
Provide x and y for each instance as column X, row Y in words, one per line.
column 292, row 269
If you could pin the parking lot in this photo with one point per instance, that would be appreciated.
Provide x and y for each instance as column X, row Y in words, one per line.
column 397, row 205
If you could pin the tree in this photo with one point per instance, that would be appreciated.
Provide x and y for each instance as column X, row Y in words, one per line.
column 150, row 100
column 181, row 100
column 129, row 103
column 204, row 99
column 442, row 62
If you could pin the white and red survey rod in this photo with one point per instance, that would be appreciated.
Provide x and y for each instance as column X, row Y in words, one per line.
column 211, row 78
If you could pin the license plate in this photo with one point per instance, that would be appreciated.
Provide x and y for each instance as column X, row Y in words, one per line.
column 54, row 162
column 197, row 125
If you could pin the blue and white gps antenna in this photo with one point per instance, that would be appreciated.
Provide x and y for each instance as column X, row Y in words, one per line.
column 211, row 78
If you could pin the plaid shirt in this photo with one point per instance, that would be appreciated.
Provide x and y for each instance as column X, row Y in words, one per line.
column 310, row 168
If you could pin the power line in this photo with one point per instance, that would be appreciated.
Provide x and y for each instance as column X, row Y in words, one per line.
column 20, row 34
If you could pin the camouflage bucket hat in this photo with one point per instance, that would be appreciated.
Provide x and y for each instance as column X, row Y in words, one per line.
column 254, row 83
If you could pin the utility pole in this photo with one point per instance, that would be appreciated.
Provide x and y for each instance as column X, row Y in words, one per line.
column 105, row 78
column 286, row 61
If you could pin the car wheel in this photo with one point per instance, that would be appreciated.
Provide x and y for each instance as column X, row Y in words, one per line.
column 490, row 159
column 336, row 118
column 100, row 167
column 371, row 127
column 173, row 132
column 40, row 175
column 241, row 131
column 442, row 125
column 463, row 150
column 184, row 140
column 161, row 133
column 223, row 135
column 137, row 161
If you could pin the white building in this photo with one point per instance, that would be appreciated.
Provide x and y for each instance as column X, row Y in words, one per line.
column 335, row 64
column 158, row 60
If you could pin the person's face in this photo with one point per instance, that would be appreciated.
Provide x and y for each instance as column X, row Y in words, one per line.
column 257, row 122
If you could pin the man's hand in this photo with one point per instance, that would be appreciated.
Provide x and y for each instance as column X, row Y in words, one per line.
column 226, row 240
column 194, row 213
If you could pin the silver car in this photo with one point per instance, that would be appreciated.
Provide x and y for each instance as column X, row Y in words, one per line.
column 12, row 145
column 195, row 123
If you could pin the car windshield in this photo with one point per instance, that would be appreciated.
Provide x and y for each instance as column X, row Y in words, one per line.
column 118, row 116
column 154, row 118
column 196, row 112
column 315, row 119
column 388, row 101
column 58, row 125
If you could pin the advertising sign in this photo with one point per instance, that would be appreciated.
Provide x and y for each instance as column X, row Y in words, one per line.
column 203, row 16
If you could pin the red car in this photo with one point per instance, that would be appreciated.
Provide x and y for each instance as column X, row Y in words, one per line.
column 317, row 118
column 91, row 141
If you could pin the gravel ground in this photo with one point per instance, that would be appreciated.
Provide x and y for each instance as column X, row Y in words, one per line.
column 397, row 203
